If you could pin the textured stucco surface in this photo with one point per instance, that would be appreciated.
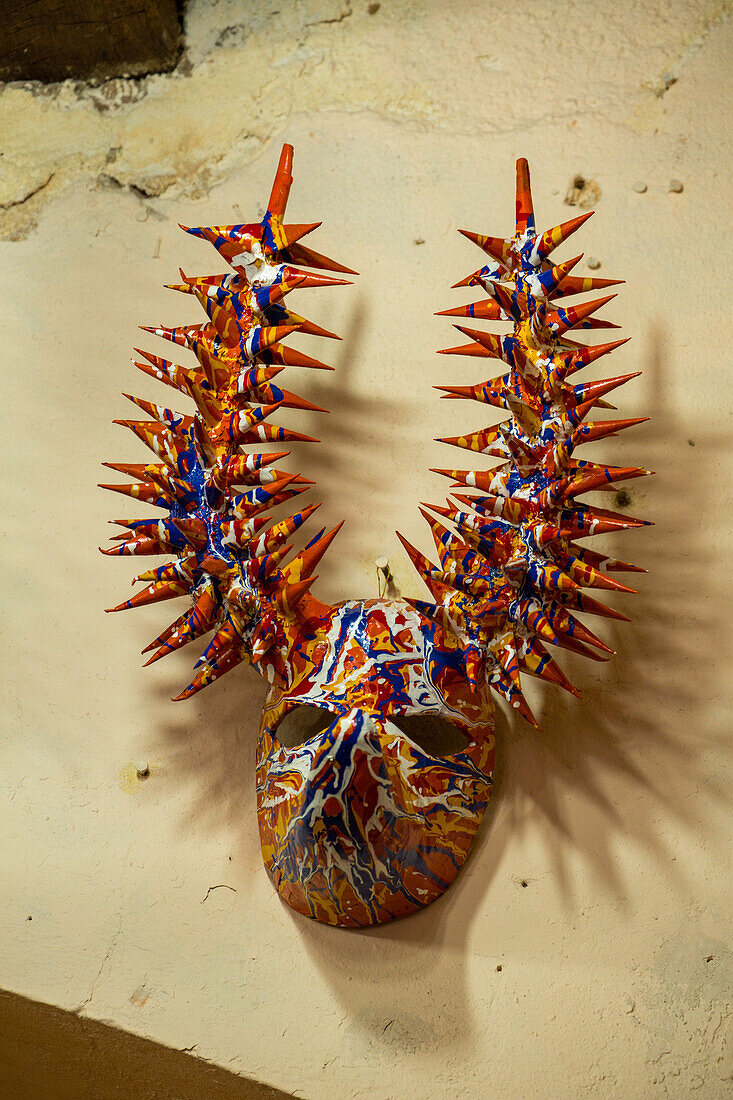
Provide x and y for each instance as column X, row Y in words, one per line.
column 583, row 949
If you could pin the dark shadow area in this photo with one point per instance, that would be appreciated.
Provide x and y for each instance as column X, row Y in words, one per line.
column 301, row 723
column 343, row 465
column 211, row 742
column 432, row 733
column 49, row 1054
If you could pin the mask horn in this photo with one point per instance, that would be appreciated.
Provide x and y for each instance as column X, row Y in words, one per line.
column 512, row 577
column 218, row 497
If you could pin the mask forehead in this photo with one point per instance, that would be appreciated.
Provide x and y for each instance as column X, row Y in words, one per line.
column 382, row 657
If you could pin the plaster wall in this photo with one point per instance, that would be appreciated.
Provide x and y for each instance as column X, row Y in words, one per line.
column 583, row 950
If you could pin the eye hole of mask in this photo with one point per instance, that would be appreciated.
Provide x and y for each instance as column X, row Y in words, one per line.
column 301, row 723
column 432, row 733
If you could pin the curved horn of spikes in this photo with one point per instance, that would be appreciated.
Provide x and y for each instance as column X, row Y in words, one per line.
column 512, row 575
column 216, row 496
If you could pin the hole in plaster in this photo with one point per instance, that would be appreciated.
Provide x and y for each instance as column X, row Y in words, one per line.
column 622, row 498
column 524, row 883
column 582, row 192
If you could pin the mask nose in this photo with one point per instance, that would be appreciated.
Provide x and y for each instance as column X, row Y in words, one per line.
column 343, row 786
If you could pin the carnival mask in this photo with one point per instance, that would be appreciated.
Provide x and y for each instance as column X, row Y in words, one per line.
column 376, row 743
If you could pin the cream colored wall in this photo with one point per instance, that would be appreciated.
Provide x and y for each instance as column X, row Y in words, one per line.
column 606, row 974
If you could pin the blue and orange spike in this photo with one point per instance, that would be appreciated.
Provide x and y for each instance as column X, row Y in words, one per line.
column 521, row 518
column 230, row 552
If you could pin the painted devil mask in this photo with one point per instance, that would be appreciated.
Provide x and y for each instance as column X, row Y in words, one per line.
column 376, row 743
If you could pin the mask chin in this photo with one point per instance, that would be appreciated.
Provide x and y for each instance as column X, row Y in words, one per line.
column 363, row 817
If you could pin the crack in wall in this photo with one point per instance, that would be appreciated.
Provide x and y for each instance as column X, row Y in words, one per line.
column 30, row 194
column 219, row 886
column 346, row 14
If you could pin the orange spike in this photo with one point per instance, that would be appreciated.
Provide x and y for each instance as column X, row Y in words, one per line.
column 551, row 279
column 306, row 561
column 475, row 479
column 138, row 470
column 580, row 357
column 194, row 530
column 264, row 336
column 175, row 422
column 308, row 328
column 162, row 370
column 575, row 314
column 308, row 258
column 208, row 673
column 246, row 469
column 270, row 433
column 194, row 624
column 162, row 442
column 581, row 601
column 290, row 357
column 283, row 182
column 586, row 480
column 168, row 632
column 599, row 429
column 489, row 340
column 486, row 441
column 137, row 547
column 235, row 426
column 280, row 532
column 176, row 570
column 603, row 386
column 425, row 568
column 496, row 247
column 524, row 208
column 536, row 661
column 288, row 598
column 227, row 633
column 154, row 593
column 551, row 238
column 291, row 400
column 506, row 298
column 476, row 350
column 314, row 279
column 576, row 284
column 289, row 234
column 144, row 491
column 485, row 310
column 589, row 577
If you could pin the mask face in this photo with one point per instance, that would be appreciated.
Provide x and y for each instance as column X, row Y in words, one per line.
column 376, row 743
column 373, row 765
